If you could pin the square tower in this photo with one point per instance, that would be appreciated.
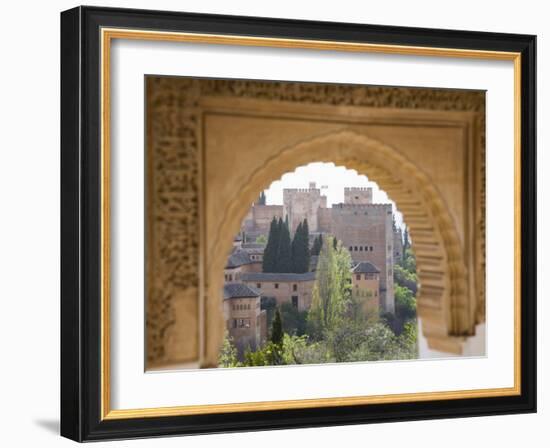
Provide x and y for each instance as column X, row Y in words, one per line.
column 358, row 195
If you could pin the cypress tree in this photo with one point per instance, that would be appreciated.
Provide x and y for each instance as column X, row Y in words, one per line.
column 405, row 239
column 319, row 242
column 305, row 253
column 284, row 252
column 277, row 329
column 319, row 245
column 296, row 242
column 300, row 249
column 315, row 247
column 334, row 243
column 269, row 263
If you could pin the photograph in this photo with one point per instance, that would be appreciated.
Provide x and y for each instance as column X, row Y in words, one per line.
column 322, row 267
column 302, row 284
column 274, row 223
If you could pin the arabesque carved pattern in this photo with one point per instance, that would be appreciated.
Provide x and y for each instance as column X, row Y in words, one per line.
column 173, row 207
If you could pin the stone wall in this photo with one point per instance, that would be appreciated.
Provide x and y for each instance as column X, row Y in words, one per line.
column 365, row 287
column 366, row 231
column 259, row 217
column 303, row 203
column 247, row 309
column 357, row 195
column 285, row 290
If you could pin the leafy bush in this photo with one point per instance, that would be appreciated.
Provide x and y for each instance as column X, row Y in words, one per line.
column 405, row 303
column 404, row 278
column 294, row 321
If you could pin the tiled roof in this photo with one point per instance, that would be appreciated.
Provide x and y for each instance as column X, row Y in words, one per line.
column 239, row 290
column 365, row 267
column 254, row 250
column 253, row 246
column 238, row 258
column 277, row 277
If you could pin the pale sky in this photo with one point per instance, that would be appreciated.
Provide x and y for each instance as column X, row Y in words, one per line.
column 331, row 179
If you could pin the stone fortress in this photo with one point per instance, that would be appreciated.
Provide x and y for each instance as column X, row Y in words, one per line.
column 366, row 229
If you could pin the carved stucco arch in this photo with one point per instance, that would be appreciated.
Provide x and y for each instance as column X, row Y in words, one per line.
column 443, row 304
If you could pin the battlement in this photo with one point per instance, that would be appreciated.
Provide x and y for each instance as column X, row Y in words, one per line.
column 301, row 190
column 358, row 195
column 344, row 205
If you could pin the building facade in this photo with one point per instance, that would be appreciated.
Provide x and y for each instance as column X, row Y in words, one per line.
column 258, row 219
column 284, row 287
column 365, row 284
column 364, row 228
column 239, row 262
column 243, row 316
column 303, row 203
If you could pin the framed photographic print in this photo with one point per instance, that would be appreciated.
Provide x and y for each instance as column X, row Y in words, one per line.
column 276, row 224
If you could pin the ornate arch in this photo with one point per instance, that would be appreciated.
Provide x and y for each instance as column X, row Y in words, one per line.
column 443, row 304
column 183, row 322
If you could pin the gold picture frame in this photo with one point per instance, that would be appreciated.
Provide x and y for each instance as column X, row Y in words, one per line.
column 106, row 32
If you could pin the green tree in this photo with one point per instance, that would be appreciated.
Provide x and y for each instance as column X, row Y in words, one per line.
column 406, row 242
column 409, row 260
column 294, row 320
column 262, row 239
column 269, row 304
column 283, row 262
column 300, row 249
column 331, row 290
column 269, row 263
column 305, row 253
column 261, row 199
column 228, row 353
column 277, row 328
column 295, row 248
column 405, row 303
column 317, row 245
column 293, row 349
column 404, row 278
column 408, row 343
column 256, row 358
